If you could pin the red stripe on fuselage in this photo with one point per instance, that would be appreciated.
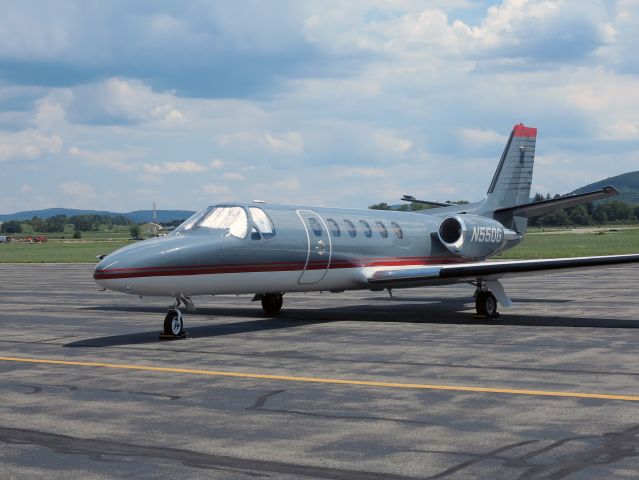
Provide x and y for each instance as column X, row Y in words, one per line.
column 114, row 273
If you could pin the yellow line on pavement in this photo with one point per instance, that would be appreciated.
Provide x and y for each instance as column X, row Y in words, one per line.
column 334, row 381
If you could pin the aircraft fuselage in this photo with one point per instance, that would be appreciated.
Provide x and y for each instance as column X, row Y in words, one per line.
column 310, row 249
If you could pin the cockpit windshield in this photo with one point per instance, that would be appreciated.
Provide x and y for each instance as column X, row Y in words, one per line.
column 191, row 221
column 232, row 218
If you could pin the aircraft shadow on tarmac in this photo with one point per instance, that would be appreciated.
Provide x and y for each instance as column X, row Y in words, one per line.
column 443, row 312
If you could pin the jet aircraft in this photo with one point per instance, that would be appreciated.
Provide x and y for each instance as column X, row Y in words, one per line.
column 268, row 250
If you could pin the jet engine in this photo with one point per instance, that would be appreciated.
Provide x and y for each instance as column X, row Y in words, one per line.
column 474, row 237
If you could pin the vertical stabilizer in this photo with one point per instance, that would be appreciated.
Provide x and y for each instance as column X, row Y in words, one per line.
column 513, row 177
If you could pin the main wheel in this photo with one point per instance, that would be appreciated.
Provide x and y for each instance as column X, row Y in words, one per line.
column 272, row 303
column 486, row 304
column 173, row 323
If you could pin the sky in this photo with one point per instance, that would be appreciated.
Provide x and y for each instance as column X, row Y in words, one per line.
column 114, row 105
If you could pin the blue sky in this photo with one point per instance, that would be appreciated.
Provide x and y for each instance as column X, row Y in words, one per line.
column 114, row 105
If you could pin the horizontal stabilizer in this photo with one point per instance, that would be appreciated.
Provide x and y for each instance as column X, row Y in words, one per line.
column 530, row 210
column 442, row 274
column 410, row 198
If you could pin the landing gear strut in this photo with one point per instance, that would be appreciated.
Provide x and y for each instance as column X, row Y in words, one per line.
column 272, row 303
column 486, row 304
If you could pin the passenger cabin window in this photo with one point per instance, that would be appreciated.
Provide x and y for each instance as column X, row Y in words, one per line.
column 366, row 228
column 334, row 227
column 262, row 222
column 315, row 226
column 398, row 230
column 351, row 228
column 381, row 228
column 232, row 218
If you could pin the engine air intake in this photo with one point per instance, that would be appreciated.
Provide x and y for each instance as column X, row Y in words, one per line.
column 450, row 230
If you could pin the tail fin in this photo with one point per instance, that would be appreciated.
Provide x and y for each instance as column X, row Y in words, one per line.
column 512, row 180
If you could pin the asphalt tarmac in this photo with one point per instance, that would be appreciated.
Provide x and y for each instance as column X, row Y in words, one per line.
column 341, row 386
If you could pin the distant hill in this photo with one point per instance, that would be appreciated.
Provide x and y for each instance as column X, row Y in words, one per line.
column 164, row 216
column 627, row 184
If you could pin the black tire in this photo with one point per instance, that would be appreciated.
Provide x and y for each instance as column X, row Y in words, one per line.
column 486, row 304
column 272, row 303
column 173, row 323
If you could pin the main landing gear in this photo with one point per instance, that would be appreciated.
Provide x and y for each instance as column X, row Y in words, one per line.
column 486, row 304
column 485, row 300
column 173, row 321
column 272, row 303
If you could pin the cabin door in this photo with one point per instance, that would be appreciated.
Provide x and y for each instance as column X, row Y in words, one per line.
column 319, row 245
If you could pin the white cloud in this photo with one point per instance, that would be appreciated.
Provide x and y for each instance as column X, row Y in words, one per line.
column 392, row 143
column 78, row 189
column 173, row 167
column 215, row 189
column 233, row 176
column 25, row 189
column 27, row 144
column 288, row 184
column 478, row 136
column 216, row 164
column 119, row 100
column 366, row 172
column 116, row 160
column 286, row 142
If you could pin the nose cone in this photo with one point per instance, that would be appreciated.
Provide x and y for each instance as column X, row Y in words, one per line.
column 115, row 271
column 140, row 268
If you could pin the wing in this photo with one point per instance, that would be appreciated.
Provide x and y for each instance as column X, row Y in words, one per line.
column 457, row 273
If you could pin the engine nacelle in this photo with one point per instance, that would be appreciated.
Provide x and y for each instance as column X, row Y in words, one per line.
column 474, row 237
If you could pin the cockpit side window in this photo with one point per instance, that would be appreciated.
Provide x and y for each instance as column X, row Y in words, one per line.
column 262, row 222
column 192, row 220
column 232, row 218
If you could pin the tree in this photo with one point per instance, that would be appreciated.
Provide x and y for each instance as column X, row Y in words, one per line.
column 380, row 206
column 135, row 231
column 12, row 226
column 77, row 234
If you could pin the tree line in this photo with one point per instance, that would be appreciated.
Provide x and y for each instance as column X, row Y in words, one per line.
column 57, row 223
column 598, row 213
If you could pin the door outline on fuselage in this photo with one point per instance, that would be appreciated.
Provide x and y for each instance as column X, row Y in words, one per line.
column 308, row 274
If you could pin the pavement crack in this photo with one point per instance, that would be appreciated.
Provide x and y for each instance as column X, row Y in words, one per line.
column 478, row 458
column 96, row 448
column 262, row 399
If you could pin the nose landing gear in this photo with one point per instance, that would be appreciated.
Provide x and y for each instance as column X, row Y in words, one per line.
column 173, row 321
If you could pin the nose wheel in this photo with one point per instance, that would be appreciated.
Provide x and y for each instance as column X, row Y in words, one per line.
column 272, row 303
column 173, row 325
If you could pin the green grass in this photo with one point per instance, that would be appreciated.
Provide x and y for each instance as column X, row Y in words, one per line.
column 558, row 245
column 56, row 251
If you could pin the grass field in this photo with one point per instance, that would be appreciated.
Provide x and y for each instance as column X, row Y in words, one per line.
column 56, row 251
column 553, row 244
column 537, row 244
